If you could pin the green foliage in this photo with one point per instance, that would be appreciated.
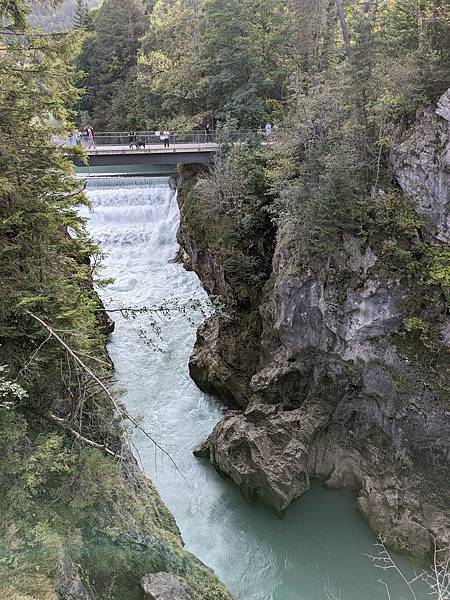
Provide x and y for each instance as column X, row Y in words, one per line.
column 244, row 44
column 413, row 54
column 109, row 59
column 227, row 211
column 437, row 257
column 42, row 268
column 208, row 61
column 10, row 391
column 417, row 325
column 328, row 169
column 392, row 231
column 198, row 62
column 83, row 17
column 64, row 499
column 170, row 68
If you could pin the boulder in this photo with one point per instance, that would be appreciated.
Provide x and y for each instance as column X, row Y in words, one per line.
column 165, row 586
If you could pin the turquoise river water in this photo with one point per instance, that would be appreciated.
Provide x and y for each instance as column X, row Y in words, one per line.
column 318, row 551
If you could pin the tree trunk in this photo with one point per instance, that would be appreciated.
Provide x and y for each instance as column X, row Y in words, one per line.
column 345, row 34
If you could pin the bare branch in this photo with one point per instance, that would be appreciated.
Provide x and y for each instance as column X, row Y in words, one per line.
column 33, row 356
column 388, row 594
column 118, row 408
column 61, row 423
column 437, row 579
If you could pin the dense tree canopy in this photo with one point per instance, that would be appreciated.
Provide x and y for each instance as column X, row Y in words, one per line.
column 183, row 63
column 206, row 61
column 109, row 60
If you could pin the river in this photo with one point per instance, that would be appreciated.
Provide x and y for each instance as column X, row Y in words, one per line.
column 318, row 551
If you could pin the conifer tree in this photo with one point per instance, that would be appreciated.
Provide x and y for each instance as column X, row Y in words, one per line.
column 41, row 268
column 82, row 18
column 109, row 60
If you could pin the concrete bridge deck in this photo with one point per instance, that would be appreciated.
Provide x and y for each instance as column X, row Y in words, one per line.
column 177, row 153
column 152, row 148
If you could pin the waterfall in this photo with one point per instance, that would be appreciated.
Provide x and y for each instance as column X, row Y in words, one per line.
column 135, row 213
column 105, row 181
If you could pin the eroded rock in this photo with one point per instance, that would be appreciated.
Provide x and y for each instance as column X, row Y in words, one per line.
column 165, row 586
column 265, row 449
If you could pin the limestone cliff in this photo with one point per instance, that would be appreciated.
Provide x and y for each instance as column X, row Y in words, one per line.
column 328, row 382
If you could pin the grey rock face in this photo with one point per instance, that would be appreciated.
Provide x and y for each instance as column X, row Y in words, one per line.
column 307, row 315
column 165, row 586
column 422, row 167
column 68, row 581
column 258, row 450
column 393, row 509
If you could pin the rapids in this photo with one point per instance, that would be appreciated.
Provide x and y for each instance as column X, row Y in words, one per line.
column 318, row 550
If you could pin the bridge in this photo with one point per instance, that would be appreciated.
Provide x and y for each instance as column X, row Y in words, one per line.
column 147, row 148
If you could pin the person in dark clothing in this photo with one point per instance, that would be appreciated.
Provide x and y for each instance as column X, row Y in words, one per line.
column 166, row 139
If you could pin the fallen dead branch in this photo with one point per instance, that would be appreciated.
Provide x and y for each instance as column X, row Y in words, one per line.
column 62, row 424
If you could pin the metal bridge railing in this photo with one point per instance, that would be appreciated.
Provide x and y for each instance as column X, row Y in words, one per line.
column 123, row 138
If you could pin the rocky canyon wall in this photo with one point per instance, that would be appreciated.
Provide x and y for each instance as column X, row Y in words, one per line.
column 325, row 380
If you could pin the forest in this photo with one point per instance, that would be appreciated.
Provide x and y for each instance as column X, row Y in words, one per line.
column 342, row 82
column 191, row 62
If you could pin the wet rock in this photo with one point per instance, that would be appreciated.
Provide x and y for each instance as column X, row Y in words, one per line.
column 69, row 584
column 265, row 450
column 207, row 367
column 165, row 586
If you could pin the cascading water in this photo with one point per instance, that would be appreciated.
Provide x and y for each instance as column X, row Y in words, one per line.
column 317, row 551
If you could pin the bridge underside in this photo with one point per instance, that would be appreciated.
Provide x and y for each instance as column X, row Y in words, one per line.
column 145, row 158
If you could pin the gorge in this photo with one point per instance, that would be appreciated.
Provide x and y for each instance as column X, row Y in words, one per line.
column 226, row 382
column 256, row 554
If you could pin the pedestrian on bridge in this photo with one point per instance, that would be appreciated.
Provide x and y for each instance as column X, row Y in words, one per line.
column 90, row 136
column 166, row 137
